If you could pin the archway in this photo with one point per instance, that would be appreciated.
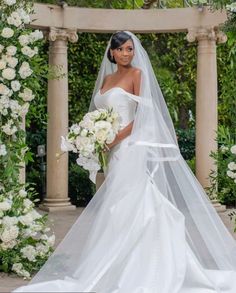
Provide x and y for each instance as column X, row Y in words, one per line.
column 61, row 26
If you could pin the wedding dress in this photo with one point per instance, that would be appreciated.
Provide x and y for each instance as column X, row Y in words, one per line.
column 149, row 228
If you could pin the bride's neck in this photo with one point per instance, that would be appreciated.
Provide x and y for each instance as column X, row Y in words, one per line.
column 122, row 69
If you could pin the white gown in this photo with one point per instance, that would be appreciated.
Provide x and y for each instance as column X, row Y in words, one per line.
column 137, row 239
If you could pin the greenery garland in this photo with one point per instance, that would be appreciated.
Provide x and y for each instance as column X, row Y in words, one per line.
column 24, row 243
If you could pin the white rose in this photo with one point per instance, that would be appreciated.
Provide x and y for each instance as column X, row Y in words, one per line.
column 232, row 166
column 7, row 32
column 9, row 2
column 25, row 70
column 84, row 132
column 3, row 150
column 75, row 128
column 1, row 48
column 233, row 149
column 12, row 61
column 24, row 40
column 15, row 85
column 26, row 50
column 35, row 36
column 230, row 174
column 4, row 90
column 24, row 15
column 27, row 95
column 9, row 73
column 11, row 50
column 14, row 19
column 9, row 128
column 3, row 64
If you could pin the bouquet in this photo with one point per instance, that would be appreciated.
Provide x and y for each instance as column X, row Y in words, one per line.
column 89, row 138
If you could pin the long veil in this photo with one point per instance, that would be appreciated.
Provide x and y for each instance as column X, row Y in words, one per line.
column 153, row 151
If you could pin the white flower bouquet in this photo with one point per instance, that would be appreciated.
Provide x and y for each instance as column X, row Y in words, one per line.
column 90, row 137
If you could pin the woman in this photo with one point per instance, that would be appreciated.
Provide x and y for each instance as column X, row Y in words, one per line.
column 150, row 227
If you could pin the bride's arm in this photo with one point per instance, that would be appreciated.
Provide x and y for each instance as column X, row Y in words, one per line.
column 122, row 134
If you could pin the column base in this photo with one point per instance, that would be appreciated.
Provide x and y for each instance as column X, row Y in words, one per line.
column 220, row 208
column 51, row 205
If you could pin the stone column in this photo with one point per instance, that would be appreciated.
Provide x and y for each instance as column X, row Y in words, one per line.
column 206, row 99
column 57, row 169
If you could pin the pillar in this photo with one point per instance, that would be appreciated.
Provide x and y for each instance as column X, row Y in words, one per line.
column 57, row 169
column 206, row 99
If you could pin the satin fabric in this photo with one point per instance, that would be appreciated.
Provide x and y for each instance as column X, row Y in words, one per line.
column 137, row 241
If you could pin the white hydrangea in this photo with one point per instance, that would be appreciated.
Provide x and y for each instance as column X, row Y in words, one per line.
column 15, row 85
column 3, row 150
column 27, row 95
column 26, row 219
column 41, row 249
column 27, row 203
column 7, row 33
column 18, row 268
column 9, row 233
column 233, row 149
column 25, row 70
column 9, row 73
column 34, row 214
column 29, row 252
column 5, row 205
column 11, row 50
column 8, row 245
column 9, row 221
column 9, row 2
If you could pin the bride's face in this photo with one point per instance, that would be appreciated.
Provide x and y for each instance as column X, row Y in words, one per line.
column 124, row 54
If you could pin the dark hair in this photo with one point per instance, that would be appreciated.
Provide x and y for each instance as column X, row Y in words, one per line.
column 118, row 39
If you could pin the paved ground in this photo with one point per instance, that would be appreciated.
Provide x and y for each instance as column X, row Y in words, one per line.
column 62, row 223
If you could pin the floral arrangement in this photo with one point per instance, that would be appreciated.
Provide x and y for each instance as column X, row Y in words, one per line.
column 231, row 172
column 90, row 137
column 24, row 244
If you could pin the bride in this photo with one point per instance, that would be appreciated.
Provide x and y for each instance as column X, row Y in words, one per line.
column 150, row 227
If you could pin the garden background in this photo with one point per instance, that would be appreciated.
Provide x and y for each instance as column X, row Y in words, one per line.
column 174, row 62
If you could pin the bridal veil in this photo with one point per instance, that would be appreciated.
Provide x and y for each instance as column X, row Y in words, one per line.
column 155, row 152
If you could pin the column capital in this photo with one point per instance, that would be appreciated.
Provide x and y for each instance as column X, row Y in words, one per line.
column 206, row 33
column 62, row 34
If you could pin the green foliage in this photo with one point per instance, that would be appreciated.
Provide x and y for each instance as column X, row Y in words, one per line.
column 223, row 187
